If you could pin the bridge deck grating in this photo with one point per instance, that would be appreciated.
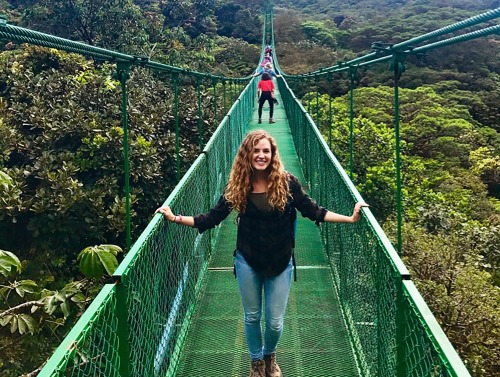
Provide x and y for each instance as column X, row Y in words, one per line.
column 315, row 340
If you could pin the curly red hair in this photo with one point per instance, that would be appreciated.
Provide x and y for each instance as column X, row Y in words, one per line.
column 239, row 184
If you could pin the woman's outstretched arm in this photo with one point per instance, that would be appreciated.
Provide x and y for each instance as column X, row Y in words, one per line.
column 333, row 217
column 178, row 219
column 203, row 221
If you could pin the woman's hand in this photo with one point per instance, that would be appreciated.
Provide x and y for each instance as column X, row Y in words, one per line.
column 357, row 211
column 333, row 217
column 167, row 212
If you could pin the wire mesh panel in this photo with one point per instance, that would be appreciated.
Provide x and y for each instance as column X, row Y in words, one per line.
column 423, row 354
column 389, row 332
column 93, row 345
column 138, row 327
column 162, row 282
column 315, row 340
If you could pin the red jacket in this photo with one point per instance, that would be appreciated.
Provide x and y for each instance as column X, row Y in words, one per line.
column 266, row 85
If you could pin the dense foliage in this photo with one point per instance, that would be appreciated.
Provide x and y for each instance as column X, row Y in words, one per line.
column 61, row 142
column 62, row 164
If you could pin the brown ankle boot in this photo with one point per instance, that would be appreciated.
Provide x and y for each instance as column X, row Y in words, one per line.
column 272, row 367
column 258, row 369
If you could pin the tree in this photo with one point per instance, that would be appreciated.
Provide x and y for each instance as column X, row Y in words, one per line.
column 446, row 268
column 239, row 21
column 487, row 166
column 194, row 16
column 65, row 162
column 287, row 27
column 113, row 24
column 235, row 56
column 30, row 312
column 325, row 34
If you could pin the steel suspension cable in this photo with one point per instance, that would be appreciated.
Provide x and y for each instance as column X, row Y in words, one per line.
column 446, row 42
column 23, row 35
column 330, row 100
column 480, row 18
column 461, row 38
column 407, row 47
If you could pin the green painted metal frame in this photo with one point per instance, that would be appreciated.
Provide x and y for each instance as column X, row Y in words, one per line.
column 121, row 294
column 117, row 299
column 410, row 306
column 124, row 63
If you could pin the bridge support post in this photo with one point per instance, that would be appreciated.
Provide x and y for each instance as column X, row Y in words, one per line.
column 122, row 73
column 200, row 114
column 122, row 328
column 398, row 67
column 352, row 77
column 330, row 79
column 175, row 83
column 214, row 84
column 400, row 332
column 224, row 96
column 399, row 59
column 317, row 102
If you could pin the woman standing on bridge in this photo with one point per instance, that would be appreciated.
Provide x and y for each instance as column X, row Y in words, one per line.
column 265, row 92
column 266, row 198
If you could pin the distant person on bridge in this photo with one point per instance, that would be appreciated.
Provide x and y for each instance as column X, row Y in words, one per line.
column 268, row 68
column 267, row 59
column 265, row 92
column 266, row 198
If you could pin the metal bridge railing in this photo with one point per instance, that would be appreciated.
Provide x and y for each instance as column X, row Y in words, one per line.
column 137, row 326
column 392, row 330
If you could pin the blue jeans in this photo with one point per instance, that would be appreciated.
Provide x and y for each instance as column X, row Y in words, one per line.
column 276, row 290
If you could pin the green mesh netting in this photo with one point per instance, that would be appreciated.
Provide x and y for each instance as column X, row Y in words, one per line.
column 176, row 311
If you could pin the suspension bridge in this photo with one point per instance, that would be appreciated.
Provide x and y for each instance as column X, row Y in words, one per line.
column 174, row 307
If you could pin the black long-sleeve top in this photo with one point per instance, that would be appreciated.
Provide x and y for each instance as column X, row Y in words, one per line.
column 266, row 239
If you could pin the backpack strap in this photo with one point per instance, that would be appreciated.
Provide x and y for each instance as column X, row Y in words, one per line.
column 294, row 263
column 234, row 263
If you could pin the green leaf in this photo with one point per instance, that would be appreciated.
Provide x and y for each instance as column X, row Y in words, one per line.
column 5, row 180
column 25, row 286
column 46, row 293
column 90, row 264
column 95, row 259
column 50, row 304
column 4, row 321
column 13, row 324
column 113, row 249
column 21, row 325
column 65, row 309
column 108, row 261
column 27, row 323
column 78, row 298
column 9, row 264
